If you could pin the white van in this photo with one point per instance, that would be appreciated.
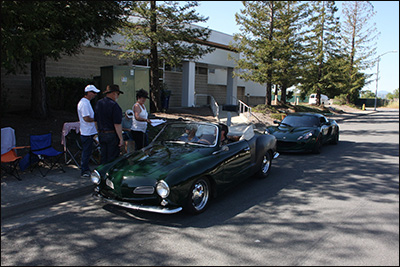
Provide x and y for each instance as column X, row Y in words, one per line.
column 313, row 99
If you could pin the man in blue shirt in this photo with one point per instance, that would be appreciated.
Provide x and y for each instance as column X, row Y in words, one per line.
column 108, row 117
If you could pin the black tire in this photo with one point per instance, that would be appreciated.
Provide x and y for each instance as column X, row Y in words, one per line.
column 318, row 145
column 265, row 166
column 335, row 140
column 199, row 196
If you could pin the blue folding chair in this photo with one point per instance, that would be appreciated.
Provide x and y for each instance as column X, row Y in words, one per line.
column 46, row 155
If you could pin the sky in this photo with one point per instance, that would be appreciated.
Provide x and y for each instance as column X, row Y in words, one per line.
column 222, row 18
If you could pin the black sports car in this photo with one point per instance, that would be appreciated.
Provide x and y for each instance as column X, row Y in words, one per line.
column 304, row 132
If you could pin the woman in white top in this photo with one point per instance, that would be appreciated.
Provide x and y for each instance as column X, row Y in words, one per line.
column 140, row 119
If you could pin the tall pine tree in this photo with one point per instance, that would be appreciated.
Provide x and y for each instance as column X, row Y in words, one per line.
column 358, row 34
column 256, row 43
column 162, row 32
column 321, row 43
column 289, row 56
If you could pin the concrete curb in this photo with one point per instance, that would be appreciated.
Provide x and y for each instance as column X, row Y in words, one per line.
column 11, row 211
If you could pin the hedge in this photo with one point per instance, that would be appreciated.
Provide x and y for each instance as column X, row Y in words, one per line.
column 64, row 93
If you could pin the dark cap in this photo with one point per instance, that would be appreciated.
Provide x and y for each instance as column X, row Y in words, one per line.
column 112, row 88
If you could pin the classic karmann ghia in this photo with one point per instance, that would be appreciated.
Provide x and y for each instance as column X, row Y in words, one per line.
column 184, row 167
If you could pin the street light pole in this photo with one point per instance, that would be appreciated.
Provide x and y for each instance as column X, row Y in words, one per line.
column 377, row 75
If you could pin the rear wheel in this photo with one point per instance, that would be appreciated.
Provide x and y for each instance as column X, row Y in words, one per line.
column 199, row 196
column 265, row 167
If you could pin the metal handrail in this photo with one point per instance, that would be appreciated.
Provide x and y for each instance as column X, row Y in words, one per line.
column 213, row 104
column 243, row 107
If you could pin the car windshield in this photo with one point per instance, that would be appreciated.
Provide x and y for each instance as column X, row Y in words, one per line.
column 189, row 133
column 300, row 121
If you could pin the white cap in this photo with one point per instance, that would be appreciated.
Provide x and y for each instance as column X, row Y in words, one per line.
column 129, row 113
column 91, row 88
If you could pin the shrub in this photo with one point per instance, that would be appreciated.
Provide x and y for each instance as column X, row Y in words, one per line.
column 64, row 93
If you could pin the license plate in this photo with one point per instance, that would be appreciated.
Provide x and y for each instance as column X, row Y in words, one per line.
column 109, row 183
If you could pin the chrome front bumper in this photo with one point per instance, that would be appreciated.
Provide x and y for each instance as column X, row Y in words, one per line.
column 154, row 209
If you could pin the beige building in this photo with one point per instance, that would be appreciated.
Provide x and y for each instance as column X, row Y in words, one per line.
column 210, row 75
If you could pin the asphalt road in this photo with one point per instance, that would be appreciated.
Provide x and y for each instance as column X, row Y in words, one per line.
column 337, row 208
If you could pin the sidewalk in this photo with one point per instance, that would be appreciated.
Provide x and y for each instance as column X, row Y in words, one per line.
column 35, row 191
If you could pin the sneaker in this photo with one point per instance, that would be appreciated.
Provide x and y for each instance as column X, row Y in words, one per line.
column 85, row 175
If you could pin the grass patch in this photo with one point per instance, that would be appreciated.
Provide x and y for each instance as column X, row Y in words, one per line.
column 288, row 108
column 393, row 104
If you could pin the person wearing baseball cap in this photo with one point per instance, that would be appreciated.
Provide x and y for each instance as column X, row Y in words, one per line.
column 87, row 127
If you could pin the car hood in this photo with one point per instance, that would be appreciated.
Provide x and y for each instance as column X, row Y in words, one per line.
column 153, row 164
column 289, row 133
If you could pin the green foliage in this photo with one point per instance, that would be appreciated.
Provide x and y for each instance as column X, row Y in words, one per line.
column 4, row 99
column 393, row 96
column 64, row 93
column 359, row 33
column 270, row 43
column 160, row 31
column 52, row 28
column 32, row 31
column 340, row 99
column 367, row 94
column 321, row 43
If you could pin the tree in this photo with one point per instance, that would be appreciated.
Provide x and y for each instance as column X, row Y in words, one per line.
column 358, row 40
column 163, row 32
column 393, row 96
column 33, row 31
column 256, row 43
column 270, row 44
column 321, row 43
column 290, row 19
column 367, row 94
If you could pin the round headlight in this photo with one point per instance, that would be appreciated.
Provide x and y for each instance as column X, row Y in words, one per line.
column 162, row 189
column 95, row 177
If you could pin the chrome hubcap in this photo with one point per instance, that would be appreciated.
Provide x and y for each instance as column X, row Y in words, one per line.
column 266, row 164
column 200, row 195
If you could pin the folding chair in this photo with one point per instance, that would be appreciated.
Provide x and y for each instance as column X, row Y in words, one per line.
column 73, row 149
column 41, row 147
column 9, row 156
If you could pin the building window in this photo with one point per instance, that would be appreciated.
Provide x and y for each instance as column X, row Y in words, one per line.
column 211, row 71
column 201, row 70
column 173, row 68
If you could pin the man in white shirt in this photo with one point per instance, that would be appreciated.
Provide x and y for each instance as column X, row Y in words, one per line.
column 87, row 127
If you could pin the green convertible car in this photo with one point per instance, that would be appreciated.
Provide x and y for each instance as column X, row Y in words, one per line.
column 185, row 165
column 304, row 132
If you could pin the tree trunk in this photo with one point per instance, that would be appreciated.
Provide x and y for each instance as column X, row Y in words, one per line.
column 38, row 88
column 283, row 93
column 154, row 71
column 268, row 94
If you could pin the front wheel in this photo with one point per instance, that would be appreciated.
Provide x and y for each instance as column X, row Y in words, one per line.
column 199, row 196
column 335, row 140
column 265, row 167
column 318, row 145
